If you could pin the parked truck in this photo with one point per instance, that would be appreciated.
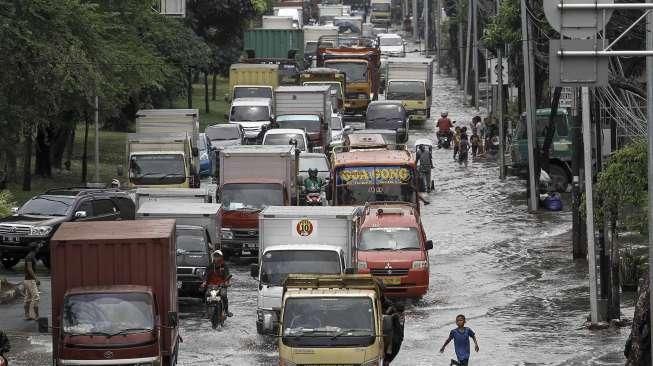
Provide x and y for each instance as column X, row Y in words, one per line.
column 252, row 178
column 411, row 82
column 333, row 317
column 114, row 295
column 360, row 59
column 315, row 240
column 312, row 100
column 252, row 81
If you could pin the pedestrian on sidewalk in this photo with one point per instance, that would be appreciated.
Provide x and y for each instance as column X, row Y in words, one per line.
column 461, row 336
column 30, row 284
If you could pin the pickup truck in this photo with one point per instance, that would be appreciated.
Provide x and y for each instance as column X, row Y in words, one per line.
column 315, row 240
column 252, row 178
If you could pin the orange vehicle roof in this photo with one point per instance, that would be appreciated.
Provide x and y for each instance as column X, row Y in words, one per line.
column 374, row 157
column 396, row 215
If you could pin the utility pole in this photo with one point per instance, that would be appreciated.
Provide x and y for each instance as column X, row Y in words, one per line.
column 460, row 45
column 502, row 153
column 468, row 48
column 529, row 96
column 97, row 139
column 415, row 16
column 438, row 32
column 649, row 117
column 427, row 20
column 475, row 49
column 578, row 239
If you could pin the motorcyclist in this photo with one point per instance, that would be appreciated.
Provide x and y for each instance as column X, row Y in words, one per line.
column 444, row 124
column 313, row 183
column 218, row 274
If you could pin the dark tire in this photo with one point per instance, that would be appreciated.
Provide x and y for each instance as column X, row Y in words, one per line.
column 216, row 316
column 559, row 178
column 9, row 262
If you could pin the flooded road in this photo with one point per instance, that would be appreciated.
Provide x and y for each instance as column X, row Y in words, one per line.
column 508, row 271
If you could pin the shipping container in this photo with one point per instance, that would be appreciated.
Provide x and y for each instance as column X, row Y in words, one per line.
column 275, row 43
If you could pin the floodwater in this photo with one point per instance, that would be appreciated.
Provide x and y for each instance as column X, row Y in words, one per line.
column 509, row 272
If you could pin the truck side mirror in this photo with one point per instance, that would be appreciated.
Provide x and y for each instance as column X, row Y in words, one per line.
column 173, row 318
column 253, row 270
column 429, row 244
column 43, row 325
column 120, row 171
column 388, row 327
column 14, row 210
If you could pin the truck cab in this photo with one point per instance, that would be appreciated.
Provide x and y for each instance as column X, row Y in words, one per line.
column 360, row 83
column 161, row 160
column 560, row 156
column 251, row 114
column 392, row 246
column 412, row 94
column 335, row 318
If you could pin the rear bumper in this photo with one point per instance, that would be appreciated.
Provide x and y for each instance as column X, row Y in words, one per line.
column 243, row 248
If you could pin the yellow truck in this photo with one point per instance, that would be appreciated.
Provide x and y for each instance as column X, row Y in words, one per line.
column 410, row 81
column 252, row 81
column 333, row 320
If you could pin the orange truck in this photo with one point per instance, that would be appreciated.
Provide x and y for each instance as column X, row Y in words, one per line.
column 360, row 59
column 362, row 176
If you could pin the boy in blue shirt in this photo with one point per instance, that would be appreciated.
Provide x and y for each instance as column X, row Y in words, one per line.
column 461, row 336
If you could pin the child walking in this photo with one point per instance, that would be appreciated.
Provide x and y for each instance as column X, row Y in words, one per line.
column 461, row 336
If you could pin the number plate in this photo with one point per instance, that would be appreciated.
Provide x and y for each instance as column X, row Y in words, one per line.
column 246, row 252
column 391, row 280
column 12, row 239
column 179, row 284
column 250, row 245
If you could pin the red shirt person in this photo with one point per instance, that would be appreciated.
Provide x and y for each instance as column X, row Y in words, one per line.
column 444, row 124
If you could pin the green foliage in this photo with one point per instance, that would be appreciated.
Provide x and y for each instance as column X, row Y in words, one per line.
column 622, row 187
column 6, row 203
column 504, row 28
column 261, row 6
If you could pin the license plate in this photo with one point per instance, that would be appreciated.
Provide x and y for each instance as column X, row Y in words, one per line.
column 250, row 245
column 391, row 280
column 179, row 285
column 13, row 239
column 246, row 252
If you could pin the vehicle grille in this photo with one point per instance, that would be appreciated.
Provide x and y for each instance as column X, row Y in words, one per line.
column 14, row 229
column 184, row 270
column 245, row 234
column 389, row 272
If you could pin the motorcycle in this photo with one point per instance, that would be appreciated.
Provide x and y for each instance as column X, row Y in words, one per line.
column 444, row 140
column 214, row 304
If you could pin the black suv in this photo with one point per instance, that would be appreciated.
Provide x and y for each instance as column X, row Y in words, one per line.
column 38, row 219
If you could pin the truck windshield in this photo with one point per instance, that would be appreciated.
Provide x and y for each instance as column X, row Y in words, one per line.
column 279, row 263
column 381, row 7
column 157, row 169
column 191, row 240
column 250, row 113
column 389, row 238
column 284, row 139
column 253, row 196
column 390, row 41
column 354, row 71
column 360, row 184
column 310, row 48
column 542, row 124
column 108, row 313
column 405, row 90
column 328, row 321
column 252, row 92
column 47, row 206
column 308, row 122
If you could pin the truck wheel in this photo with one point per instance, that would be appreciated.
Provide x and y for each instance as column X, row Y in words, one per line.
column 559, row 178
column 9, row 263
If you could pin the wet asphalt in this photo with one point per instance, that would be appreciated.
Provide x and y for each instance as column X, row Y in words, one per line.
column 508, row 271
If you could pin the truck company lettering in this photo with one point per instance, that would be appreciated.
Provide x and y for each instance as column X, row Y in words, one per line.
column 374, row 175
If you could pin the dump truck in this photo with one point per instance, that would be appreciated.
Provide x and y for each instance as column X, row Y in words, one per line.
column 251, row 178
column 114, row 293
column 315, row 240
column 410, row 81
column 338, row 318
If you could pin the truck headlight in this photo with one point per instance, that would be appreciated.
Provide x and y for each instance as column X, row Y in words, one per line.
column 39, row 230
column 226, row 234
column 200, row 272
column 362, row 265
column 420, row 264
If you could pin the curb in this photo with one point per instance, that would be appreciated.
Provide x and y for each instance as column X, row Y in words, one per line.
column 9, row 292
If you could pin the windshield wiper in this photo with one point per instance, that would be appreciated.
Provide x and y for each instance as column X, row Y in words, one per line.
column 129, row 330
column 351, row 330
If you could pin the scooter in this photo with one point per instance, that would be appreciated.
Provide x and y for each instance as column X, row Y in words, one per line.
column 214, row 304
column 444, row 140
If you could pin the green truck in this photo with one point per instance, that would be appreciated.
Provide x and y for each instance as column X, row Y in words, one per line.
column 283, row 47
column 560, row 156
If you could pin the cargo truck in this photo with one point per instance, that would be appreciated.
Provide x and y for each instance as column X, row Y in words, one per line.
column 306, row 101
column 277, row 22
column 252, row 81
column 327, row 12
column 177, row 121
column 311, row 35
column 114, row 294
column 410, row 81
column 295, row 13
column 360, row 59
column 326, row 76
column 275, row 44
column 349, row 25
column 252, row 178
column 338, row 318
column 381, row 12
column 187, row 195
column 314, row 240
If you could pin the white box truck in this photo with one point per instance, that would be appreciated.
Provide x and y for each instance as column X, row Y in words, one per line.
column 205, row 215
column 277, row 22
column 188, row 195
column 309, row 240
column 155, row 121
column 307, row 100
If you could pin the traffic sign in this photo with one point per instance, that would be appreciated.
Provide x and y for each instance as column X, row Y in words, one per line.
column 577, row 70
column 576, row 23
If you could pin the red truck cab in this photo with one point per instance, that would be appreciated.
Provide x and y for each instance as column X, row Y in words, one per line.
column 392, row 246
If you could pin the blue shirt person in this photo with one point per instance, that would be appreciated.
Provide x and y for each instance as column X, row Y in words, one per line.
column 461, row 336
